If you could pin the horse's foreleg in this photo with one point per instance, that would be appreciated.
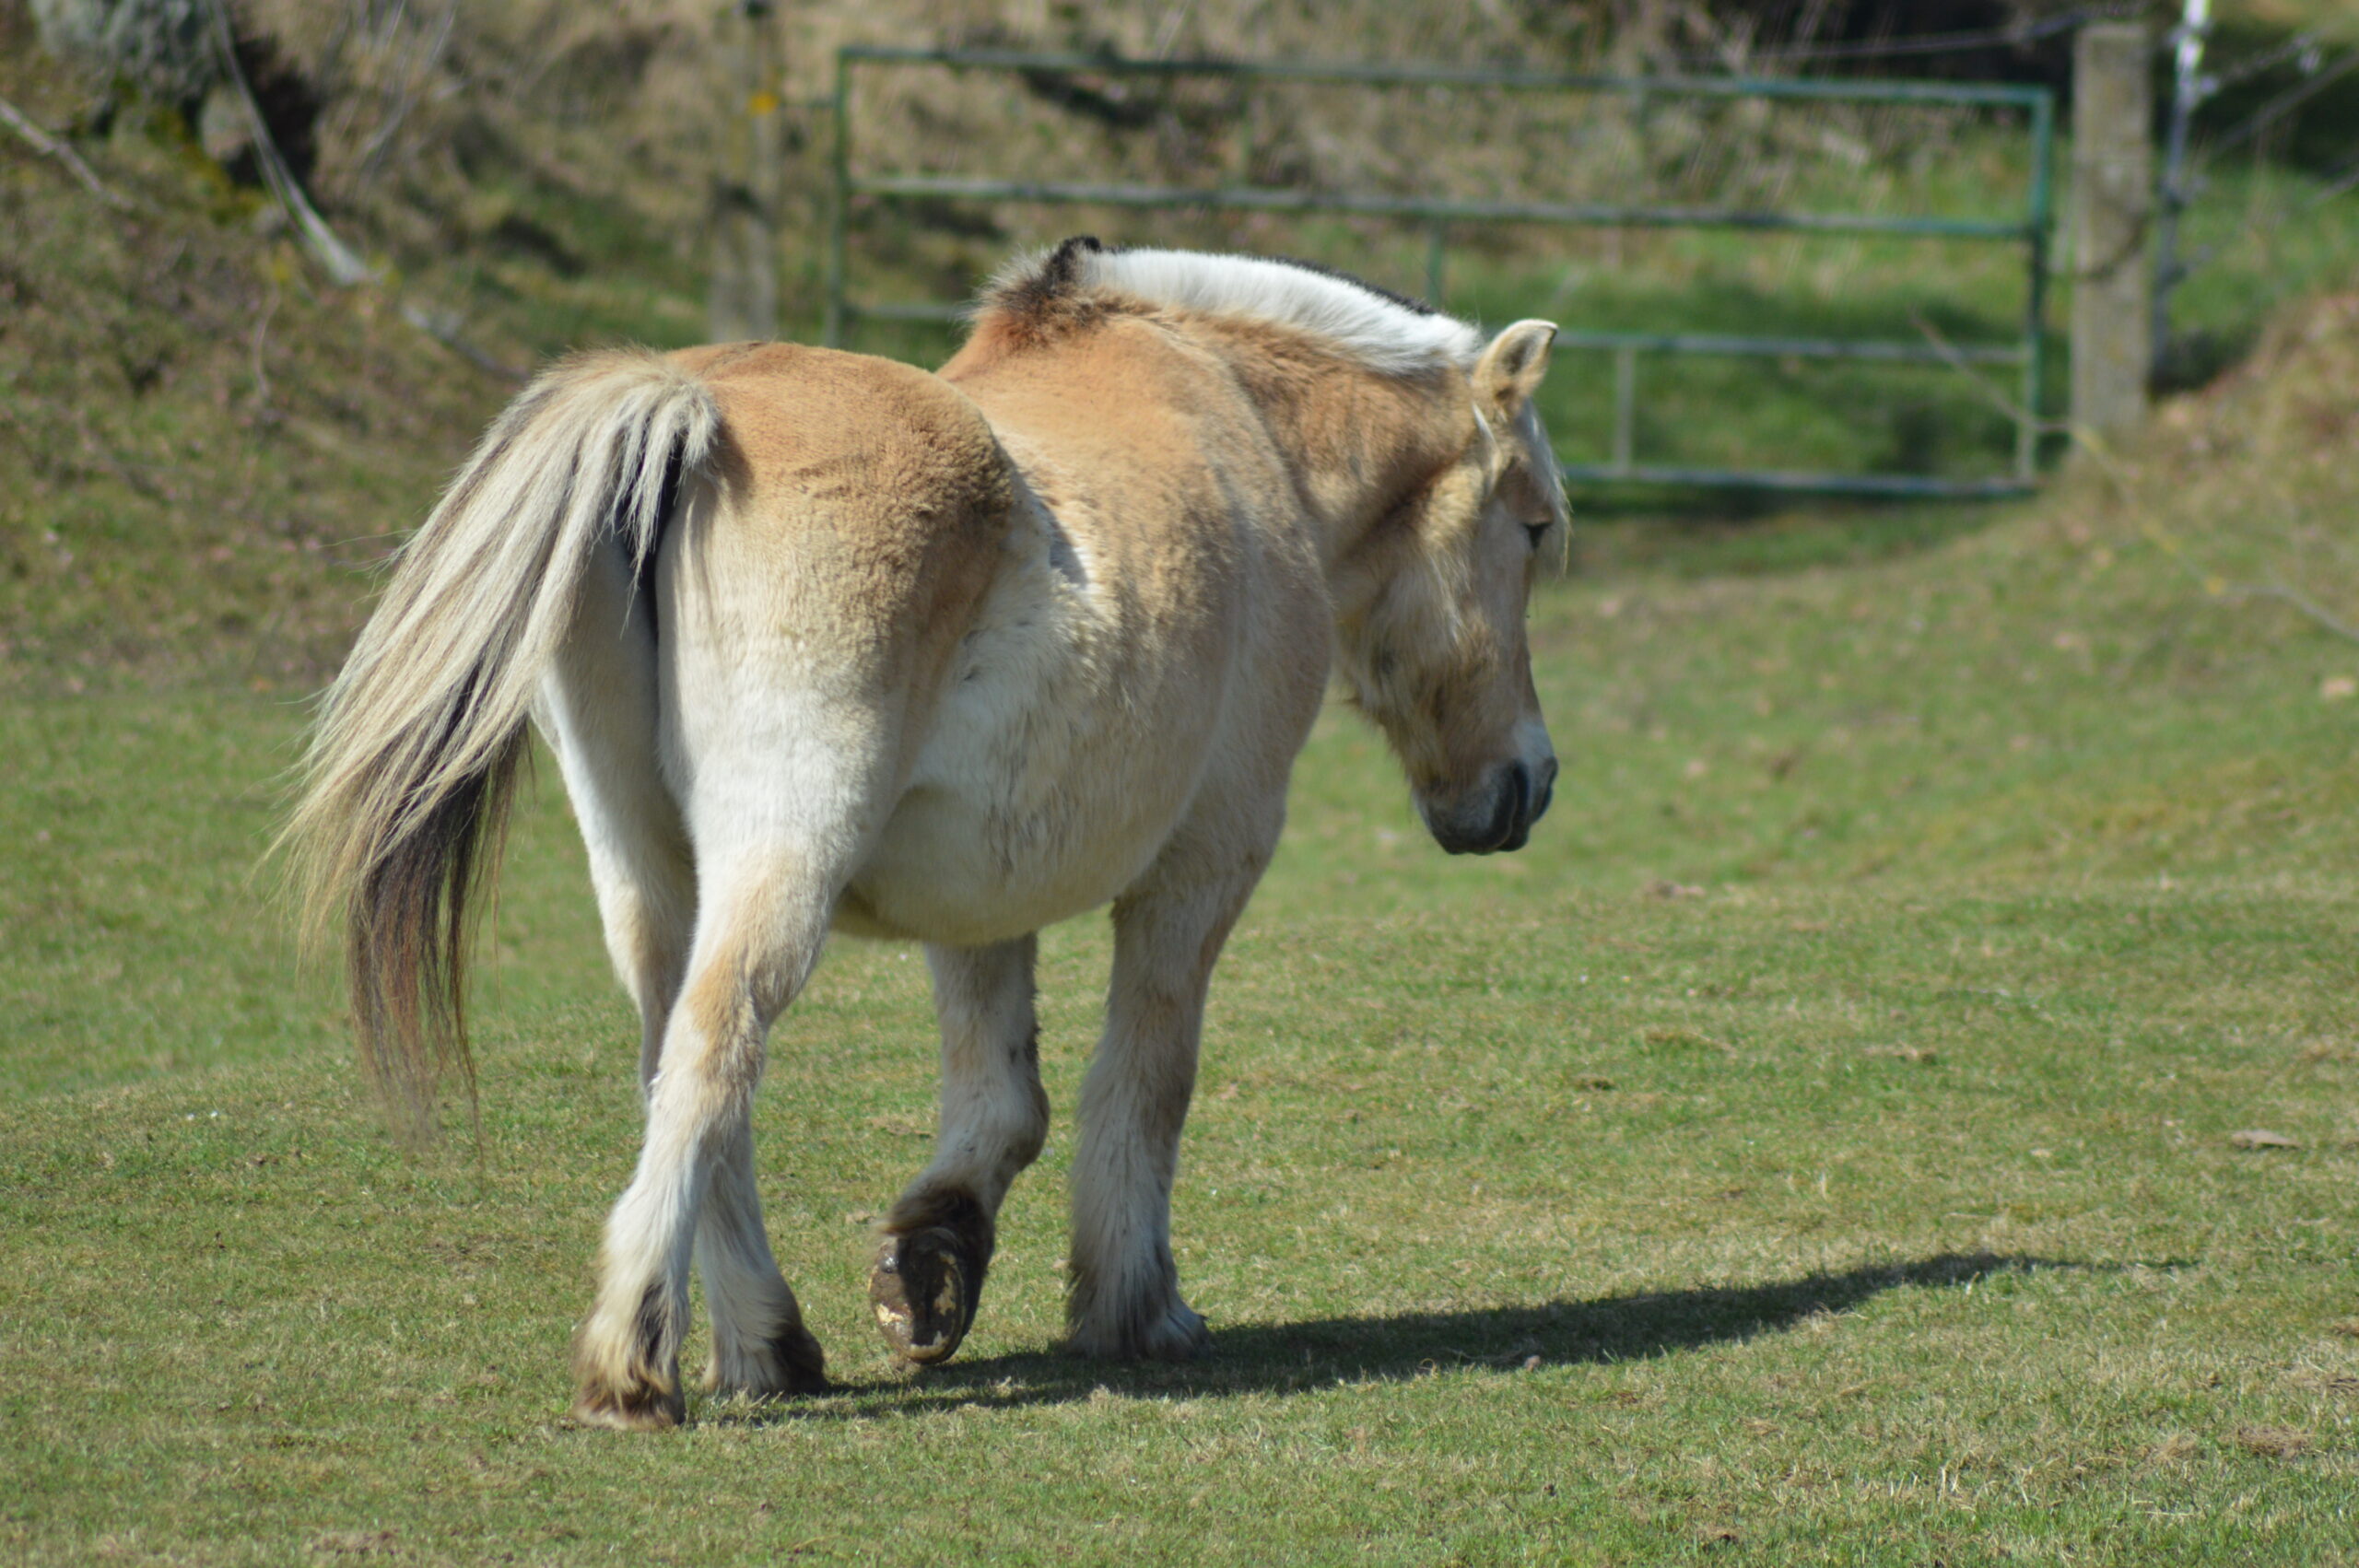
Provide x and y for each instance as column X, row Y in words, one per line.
column 1124, row 1288
column 939, row 1237
column 758, row 934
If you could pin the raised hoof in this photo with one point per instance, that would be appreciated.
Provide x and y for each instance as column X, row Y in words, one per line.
column 644, row 1409
column 923, row 1289
column 792, row 1362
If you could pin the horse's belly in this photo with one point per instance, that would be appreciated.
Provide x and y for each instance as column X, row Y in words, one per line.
column 945, row 874
column 1030, row 802
column 972, row 866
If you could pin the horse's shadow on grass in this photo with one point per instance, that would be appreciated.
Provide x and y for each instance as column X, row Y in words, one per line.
column 1288, row 1357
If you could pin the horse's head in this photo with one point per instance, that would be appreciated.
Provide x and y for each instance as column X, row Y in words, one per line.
column 1433, row 643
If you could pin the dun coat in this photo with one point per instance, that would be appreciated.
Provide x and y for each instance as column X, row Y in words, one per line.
column 823, row 642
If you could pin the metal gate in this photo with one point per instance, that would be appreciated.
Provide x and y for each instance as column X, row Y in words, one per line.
column 1622, row 463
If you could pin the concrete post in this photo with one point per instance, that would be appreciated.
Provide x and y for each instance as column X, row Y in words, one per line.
column 2113, row 199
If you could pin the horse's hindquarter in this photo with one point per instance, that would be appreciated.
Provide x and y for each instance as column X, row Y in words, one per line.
column 1155, row 636
column 813, row 587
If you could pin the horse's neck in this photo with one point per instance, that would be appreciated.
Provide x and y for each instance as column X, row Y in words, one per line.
column 1359, row 442
column 1356, row 442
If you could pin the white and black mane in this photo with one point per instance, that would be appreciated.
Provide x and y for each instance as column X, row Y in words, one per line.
column 1389, row 331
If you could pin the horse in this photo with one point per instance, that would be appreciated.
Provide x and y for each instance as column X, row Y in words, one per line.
column 826, row 643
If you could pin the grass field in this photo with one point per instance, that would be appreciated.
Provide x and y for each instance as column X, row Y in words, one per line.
column 1817, row 1146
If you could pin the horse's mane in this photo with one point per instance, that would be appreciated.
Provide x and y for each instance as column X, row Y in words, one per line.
column 1389, row 332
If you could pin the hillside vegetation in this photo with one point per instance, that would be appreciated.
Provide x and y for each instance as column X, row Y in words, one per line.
column 208, row 446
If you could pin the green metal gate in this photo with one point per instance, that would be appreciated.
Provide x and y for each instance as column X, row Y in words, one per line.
column 1622, row 464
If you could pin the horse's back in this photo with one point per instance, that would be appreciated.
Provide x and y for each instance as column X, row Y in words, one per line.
column 796, row 411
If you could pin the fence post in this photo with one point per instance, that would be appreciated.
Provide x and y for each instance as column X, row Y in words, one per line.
column 742, row 302
column 2113, row 196
column 2190, row 87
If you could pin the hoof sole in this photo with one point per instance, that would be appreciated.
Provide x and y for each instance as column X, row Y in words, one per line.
column 924, row 1291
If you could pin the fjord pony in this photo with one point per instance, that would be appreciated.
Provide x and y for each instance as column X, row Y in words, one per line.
column 825, row 642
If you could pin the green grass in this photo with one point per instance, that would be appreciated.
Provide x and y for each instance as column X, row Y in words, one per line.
column 1817, row 1147
column 1843, row 1223
column 1744, row 1266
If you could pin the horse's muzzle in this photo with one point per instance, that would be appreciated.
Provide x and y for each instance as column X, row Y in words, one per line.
column 1498, row 817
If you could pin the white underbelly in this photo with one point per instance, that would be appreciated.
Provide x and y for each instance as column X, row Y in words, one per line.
column 945, row 873
column 1055, row 767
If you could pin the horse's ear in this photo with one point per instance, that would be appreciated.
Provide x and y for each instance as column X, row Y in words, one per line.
column 1511, row 368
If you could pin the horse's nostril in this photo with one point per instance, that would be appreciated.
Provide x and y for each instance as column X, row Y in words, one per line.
column 1496, row 817
column 1511, row 809
column 1547, row 790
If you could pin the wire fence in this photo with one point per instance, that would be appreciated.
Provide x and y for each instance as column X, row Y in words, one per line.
column 2267, row 92
column 1596, row 164
column 2015, row 35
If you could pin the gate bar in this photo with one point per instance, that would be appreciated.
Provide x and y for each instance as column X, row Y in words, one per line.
column 2030, row 230
column 1923, row 486
column 1614, row 342
column 1584, row 214
column 1988, row 93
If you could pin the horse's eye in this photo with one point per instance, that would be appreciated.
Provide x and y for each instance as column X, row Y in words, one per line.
column 1535, row 532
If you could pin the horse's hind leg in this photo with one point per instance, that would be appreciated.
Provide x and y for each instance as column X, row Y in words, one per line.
column 767, row 892
column 939, row 1237
column 759, row 1345
column 601, row 717
column 599, row 712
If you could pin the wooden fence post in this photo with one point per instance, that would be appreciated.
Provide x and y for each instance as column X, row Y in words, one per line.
column 743, row 301
column 2113, row 200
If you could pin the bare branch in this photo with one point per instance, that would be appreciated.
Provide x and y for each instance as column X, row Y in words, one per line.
column 261, row 332
column 2301, row 602
column 50, row 147
column 335, row 258
column 445, row 330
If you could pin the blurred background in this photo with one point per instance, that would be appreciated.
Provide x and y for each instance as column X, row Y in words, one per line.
column 357, row 223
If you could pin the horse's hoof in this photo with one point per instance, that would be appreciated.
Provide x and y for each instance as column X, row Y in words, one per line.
column 1176, row 1333
column 1182, row 1336
column 635, row 1410
column 924, row 1289
column 792, row 1362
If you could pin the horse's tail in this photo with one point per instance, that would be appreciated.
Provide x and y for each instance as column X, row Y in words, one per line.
column 417, row 751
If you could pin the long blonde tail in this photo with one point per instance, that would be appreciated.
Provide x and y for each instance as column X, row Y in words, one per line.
column 410, row 771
